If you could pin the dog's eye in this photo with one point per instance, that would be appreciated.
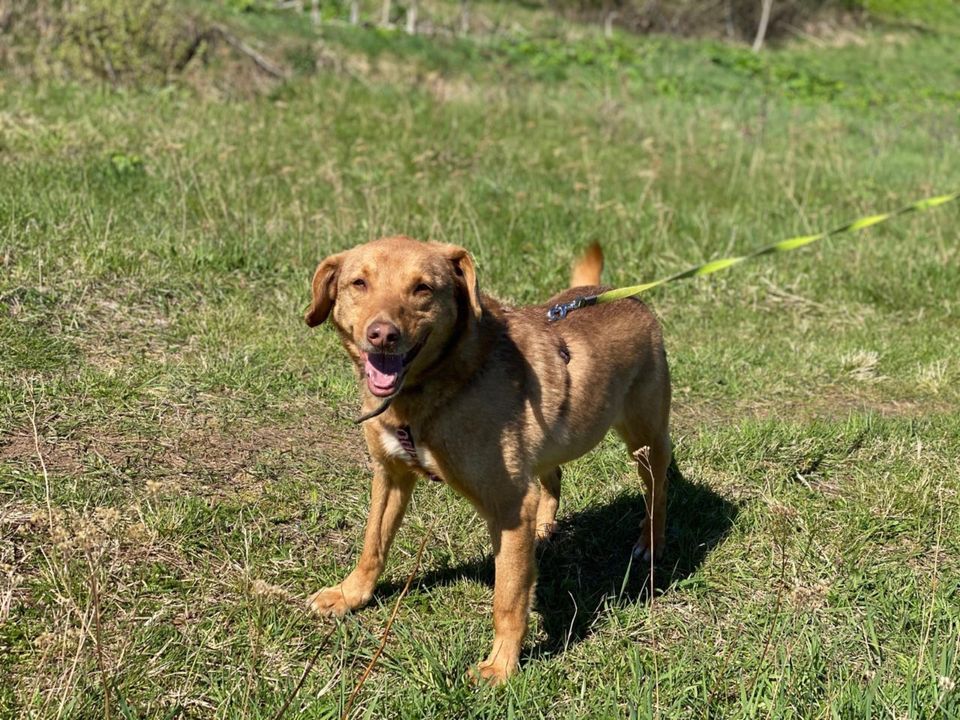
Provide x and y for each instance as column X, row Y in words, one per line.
column 360, row 284
column 422, row 289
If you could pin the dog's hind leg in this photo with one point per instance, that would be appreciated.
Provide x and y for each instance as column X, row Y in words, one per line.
column 651, row 451
column 549, row 502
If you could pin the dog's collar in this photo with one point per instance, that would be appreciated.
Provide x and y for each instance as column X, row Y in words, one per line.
column 405, row 438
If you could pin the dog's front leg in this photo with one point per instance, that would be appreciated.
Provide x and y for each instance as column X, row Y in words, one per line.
column 389, row 495
column 514, row 544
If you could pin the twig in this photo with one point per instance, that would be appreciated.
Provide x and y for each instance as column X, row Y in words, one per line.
column 776, row 614
column 386, row 631
column 192, row 49
column 43, row 465
column 642, row 456
column 217, row 32
column 241, row 47
column 81, row 643
column 412, row 18
column 934, row 583
column 762, row 28
column 608, row 23
column 306, row 671
column 464, row 17
column 107, row 64
column 98, row 635
column 777, row 607
column 653, row 593
column 719, row 676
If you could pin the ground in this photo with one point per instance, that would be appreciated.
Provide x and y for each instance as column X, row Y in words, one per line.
column 178, row 463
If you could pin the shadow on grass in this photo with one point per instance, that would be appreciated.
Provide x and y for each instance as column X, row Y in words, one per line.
column 587, row 565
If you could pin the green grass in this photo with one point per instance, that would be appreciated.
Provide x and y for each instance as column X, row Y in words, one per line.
column 201, row 464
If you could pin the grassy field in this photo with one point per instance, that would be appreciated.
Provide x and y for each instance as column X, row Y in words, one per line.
column 178, row 465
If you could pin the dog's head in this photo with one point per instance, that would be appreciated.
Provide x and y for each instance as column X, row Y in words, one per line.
column 397, row 303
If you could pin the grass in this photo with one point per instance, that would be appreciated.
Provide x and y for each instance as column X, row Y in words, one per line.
column 198, row 456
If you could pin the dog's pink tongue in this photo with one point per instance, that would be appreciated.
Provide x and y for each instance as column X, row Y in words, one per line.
column 383, row 373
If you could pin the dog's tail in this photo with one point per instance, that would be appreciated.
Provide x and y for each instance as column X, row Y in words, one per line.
column 587, row 268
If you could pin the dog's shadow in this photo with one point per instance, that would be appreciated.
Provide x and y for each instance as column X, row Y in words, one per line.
column 588, row 564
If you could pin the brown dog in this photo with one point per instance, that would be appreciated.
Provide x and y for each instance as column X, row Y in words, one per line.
column 492, row 400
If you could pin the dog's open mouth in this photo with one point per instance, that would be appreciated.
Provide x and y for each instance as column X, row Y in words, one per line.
column 385, row 371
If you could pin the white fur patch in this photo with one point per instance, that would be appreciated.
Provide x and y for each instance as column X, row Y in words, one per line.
column 426, row 459
column 392, row 447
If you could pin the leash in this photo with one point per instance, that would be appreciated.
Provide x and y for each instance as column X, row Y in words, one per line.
column 381, row 408
column 560, row 310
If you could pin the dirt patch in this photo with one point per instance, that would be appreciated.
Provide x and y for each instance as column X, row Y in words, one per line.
column 21, row 448
column 205, row 454
column 223, row 457
column 125, row 329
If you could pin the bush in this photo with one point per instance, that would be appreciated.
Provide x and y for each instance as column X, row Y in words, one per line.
column 121, row 41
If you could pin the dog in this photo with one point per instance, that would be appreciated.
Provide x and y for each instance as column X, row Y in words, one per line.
column 491, row 400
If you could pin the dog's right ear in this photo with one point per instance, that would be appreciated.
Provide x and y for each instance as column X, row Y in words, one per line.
column 324, row 290
column 466, row 274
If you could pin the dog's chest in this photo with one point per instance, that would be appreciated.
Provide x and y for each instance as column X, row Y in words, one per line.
column 399, row 444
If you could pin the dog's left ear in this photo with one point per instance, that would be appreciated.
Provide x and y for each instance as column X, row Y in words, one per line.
column 324, row 290
column 465, row 273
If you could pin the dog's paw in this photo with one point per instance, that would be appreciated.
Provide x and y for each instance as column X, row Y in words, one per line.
column 546, row 531
column 491, row 672
column 335, row 601
column 643, row 553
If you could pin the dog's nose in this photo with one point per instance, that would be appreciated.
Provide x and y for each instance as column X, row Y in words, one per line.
column 383, row 335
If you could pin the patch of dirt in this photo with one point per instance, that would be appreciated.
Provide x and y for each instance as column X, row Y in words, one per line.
column 126, row 329
column 172, row 446
column 20, row 448
column 205, row 458
column 205, row 454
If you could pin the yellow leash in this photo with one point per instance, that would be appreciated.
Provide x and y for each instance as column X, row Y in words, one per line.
column 560, row 310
